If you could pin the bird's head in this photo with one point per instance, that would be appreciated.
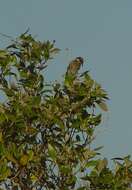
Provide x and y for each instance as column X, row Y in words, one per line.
column 80, row 59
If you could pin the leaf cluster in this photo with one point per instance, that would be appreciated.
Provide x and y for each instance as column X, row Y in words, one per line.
column 46, row 129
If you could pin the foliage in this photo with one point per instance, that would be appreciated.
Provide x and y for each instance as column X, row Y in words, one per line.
column 46, row 128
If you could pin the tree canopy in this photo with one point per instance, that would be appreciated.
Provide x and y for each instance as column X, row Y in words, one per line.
column 46, row 129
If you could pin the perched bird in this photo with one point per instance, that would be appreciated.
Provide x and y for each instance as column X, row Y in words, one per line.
column 74, row 66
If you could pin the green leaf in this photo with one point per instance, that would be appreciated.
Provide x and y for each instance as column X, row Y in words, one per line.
column 98, row 148
column 91, row 163
column 35, row 101
column 52, row 152
column 55, row 50
column 65, row 169
column 4, row 170
column 2, row 149
column 82, row 188
column 3, row 117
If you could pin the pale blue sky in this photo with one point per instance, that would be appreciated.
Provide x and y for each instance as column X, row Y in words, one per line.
column 99, row 30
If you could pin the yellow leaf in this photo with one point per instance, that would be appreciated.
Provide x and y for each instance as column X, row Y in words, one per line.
column 31, row 130
column 88, row 154
column 103, row 106
column 24, row 160
column 3, row 54
column 33, row 178
column 101, row 165
column 30, row 155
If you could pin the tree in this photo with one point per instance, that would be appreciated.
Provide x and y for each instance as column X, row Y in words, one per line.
column 46, row 129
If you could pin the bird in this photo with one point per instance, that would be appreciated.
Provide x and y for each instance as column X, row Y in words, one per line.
column 74, row 66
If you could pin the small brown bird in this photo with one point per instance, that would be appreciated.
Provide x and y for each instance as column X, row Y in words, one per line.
column 74, row 66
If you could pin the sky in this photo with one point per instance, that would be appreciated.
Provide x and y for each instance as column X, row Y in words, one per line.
column 98, row 30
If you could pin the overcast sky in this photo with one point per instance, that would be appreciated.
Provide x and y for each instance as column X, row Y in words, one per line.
column 98, row 30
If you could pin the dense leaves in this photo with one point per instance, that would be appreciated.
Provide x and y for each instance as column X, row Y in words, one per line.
column 46, row 128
